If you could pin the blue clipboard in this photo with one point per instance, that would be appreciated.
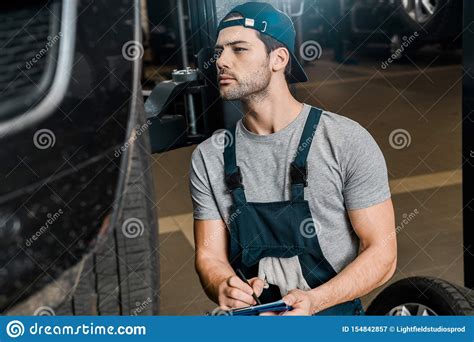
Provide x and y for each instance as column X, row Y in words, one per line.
column 278, row 306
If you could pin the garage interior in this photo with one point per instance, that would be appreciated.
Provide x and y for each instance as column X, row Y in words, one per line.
column 413, row 109
column 421, row 96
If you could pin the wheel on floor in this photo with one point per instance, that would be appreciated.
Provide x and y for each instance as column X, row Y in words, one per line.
column 423, row 296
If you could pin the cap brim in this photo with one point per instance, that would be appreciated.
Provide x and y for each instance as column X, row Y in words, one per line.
column 297, row 71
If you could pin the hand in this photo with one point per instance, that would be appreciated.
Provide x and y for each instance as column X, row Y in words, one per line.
column 235, row 293
column 300, row 300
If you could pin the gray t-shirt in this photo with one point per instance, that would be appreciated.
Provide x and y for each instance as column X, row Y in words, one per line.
column 346, row 170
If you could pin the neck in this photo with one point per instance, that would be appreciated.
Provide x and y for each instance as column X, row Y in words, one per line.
column 270, row 111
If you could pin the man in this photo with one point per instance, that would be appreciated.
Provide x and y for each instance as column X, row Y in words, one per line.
column 294, row 197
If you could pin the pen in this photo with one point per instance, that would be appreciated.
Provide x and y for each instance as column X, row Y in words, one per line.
column 241, row 276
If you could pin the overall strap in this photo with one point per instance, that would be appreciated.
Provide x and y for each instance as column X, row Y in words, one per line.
column 233, row 177
column 299, row 168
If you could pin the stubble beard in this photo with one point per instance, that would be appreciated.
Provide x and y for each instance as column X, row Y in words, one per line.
column 250, row 88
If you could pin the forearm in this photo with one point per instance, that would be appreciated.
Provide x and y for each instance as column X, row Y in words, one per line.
column 211, row 273
column 369, row 270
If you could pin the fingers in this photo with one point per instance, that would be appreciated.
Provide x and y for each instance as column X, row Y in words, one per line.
column 257, row 285
column 228, row 303
column 236, row 282
column 295, row 312
column 237, row 304
column 268, row 313
column 239, row 296
column 235, row 293
column 300, row 302
column 290, row 299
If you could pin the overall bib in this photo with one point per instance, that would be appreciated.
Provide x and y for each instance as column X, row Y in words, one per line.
column 283, row 229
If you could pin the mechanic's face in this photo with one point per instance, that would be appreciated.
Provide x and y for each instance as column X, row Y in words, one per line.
column 243, row 64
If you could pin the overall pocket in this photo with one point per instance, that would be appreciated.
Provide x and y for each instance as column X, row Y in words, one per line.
column 271, row 230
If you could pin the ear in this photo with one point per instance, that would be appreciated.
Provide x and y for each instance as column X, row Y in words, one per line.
column 280, row 58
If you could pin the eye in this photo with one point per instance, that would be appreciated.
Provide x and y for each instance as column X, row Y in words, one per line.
column 239, row 49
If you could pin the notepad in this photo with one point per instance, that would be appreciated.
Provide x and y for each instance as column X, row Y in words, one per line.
column 253, row 310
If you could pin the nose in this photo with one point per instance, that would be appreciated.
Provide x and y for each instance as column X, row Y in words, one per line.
column 222, row 61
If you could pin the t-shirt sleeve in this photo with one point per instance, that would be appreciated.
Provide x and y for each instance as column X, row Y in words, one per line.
column 365, row 171
column 204, row 202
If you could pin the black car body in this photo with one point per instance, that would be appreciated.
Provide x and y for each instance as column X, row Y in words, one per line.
column 72, row 165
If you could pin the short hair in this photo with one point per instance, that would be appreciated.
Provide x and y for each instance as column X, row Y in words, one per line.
column 270, row 43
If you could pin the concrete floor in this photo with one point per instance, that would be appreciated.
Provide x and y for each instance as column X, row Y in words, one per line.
column 423, row 98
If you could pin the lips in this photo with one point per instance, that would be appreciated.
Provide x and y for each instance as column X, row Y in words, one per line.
column 224, row 80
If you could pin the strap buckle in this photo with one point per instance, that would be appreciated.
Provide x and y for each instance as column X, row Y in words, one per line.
column 299, row 174
column 234, row 180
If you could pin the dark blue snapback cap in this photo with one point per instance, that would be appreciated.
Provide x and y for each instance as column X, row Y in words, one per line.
column 266, row 19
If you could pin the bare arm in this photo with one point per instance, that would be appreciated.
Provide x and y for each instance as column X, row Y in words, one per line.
column 215, row 272
column 212, row 265
column 375, row 263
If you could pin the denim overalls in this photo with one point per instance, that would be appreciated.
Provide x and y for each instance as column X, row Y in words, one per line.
column 279, row 229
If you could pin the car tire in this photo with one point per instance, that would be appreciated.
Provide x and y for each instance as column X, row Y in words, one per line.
column 443, row 25
column 417, row 296
column 122, row 276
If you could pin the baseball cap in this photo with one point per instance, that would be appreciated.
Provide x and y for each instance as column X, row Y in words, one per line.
column 266, row 19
